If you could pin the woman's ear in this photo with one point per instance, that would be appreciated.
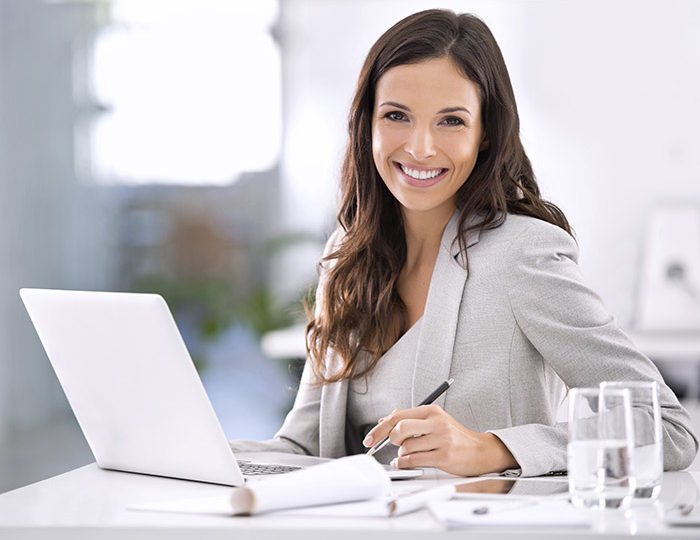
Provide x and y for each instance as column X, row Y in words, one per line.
column 484, row 143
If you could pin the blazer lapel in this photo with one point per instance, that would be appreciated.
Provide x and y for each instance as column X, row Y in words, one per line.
column 436, row 340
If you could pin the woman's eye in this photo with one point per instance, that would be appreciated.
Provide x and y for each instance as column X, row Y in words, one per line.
column 453, row 121
column 395, row 116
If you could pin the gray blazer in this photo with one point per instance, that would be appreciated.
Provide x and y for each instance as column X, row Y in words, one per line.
column 514, row 336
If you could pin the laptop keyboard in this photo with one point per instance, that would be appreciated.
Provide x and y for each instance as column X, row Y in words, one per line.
column 253, row 469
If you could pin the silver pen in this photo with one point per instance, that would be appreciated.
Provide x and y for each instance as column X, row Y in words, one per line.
column 486, row 509
column 427, row 401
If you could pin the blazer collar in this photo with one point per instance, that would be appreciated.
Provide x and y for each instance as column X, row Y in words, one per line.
column 436, row 341
column 449, row 241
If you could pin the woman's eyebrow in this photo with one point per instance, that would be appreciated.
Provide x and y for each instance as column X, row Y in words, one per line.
column 454, row 109
column 442, row 111
column 394, row 104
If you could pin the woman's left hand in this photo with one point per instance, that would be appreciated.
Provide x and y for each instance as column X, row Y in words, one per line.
column 427, row 436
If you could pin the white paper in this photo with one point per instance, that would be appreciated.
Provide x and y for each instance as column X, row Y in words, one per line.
column 371, row 508
column 383, row 507
column 353, row 478
column 460, row 513
column 675, row 516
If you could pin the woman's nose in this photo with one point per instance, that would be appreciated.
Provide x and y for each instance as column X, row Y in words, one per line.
column 420, row 143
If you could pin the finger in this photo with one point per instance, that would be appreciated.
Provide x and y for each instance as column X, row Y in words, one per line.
column 381, row 430
column 424, row 443
column 409, row 428
column 430, row 458
column 387, row 423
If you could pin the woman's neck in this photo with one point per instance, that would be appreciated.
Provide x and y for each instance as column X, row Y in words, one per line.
column 423, row 231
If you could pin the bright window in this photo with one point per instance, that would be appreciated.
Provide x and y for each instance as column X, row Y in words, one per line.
column 191, row 92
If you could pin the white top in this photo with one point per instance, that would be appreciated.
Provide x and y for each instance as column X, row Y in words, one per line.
column 385, row 388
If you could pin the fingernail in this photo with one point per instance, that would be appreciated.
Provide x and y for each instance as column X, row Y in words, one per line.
column 380, row 420
column 369, row 440
column 394, row 463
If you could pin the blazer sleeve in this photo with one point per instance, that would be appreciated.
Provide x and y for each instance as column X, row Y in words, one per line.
column 300, row 431
column 574, row 333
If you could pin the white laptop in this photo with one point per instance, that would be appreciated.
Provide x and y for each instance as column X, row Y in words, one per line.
column 134, row 390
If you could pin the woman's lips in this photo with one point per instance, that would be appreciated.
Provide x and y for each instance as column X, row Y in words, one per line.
column 420, row 182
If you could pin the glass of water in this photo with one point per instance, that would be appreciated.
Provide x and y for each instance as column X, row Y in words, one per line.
column 648, row 442
column 601, row 448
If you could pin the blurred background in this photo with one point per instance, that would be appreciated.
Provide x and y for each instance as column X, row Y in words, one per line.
column 192, row 148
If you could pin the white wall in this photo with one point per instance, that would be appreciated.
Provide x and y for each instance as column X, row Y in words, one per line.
column 607, row 96
column 611, row 124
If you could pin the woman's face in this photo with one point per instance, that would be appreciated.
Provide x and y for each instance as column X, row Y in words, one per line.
column 426, row 133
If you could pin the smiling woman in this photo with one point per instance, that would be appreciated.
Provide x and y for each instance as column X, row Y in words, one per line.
column 426, row 134
column 426, row 137
column 447, row 263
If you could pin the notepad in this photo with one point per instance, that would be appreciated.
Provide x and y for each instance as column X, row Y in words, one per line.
column 470, row 513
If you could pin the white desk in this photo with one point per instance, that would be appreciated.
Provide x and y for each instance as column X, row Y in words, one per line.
column 91, row 503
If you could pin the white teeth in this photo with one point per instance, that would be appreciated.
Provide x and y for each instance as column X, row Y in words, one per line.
column 421, row 175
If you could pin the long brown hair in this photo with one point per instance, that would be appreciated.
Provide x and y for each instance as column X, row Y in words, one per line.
column 358, row 303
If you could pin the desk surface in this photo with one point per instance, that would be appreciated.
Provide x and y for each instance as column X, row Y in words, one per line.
column 89, row 503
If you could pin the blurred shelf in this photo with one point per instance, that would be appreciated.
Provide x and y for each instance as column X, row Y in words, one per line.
column 286, row 343
column 680, row 345
column 673, row 347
